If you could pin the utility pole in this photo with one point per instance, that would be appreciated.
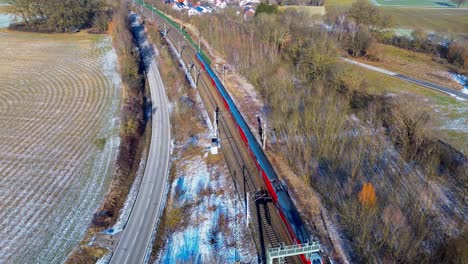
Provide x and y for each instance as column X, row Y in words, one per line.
column 245, row 187
column 216, row 122
column 199, row 40
column 247, row 210
column 181, row 47
column 198, row 77
column 224, row 72
column 261, row 132
column 236, row 231
column 193, row 66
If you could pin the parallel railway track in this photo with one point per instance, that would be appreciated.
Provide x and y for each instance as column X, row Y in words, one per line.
column 267, row 227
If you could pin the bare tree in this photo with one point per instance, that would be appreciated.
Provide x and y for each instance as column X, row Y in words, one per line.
column 458, row 2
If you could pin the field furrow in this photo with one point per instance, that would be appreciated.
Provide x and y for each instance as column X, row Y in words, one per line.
column 58, row 137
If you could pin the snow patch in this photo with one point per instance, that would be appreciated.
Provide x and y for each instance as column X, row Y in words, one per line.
column 214, row 218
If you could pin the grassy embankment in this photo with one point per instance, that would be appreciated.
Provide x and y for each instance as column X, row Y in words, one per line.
column 449, row 113
column 446, row 21
column 418, row 3
column 313, row 11
column 414, row 64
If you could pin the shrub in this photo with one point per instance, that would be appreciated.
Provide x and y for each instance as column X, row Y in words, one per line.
column 266, row 8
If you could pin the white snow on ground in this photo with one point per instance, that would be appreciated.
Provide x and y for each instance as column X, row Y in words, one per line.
column 109, row 62
column 212, row 200
column 131, row 197
column 461, row 79
column 105, row 259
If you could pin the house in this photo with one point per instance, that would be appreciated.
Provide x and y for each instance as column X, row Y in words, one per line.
column 179, row 6
column 207, row 9
column 248, row 2
column 220, row 4
column 200, row 9
column 193, row 11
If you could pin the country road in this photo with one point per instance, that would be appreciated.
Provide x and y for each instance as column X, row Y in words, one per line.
column 429, row 85
column 132, row 246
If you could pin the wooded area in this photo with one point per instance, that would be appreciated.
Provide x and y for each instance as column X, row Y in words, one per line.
column 58, row 15
column 363, row 151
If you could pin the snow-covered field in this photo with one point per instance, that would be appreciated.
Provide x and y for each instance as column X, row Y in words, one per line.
column 58, row 140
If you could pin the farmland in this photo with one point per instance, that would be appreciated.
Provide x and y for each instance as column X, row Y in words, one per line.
column 309, row 10
column 58, row 138
column 416, row 3
column 402, row 3
column 415, row 64
column 444, row 20
column 439, row 20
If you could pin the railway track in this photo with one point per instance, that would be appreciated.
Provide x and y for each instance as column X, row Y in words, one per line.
column 266, row 225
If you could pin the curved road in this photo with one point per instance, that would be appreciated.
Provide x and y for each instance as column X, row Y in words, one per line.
column 136, row 236
column 429, row 85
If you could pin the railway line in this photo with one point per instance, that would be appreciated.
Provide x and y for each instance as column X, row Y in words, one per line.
column 268, row 229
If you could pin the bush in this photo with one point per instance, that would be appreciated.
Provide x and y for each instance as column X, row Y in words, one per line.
column 359, row 41
column 266, row 8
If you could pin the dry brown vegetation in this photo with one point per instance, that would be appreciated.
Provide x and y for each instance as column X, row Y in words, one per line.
column 337, row 135
column 362, row 29
column 187, row 123
column 133, row 121
column 181, row 116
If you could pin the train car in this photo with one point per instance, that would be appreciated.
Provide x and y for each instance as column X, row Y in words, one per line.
column 288, row 212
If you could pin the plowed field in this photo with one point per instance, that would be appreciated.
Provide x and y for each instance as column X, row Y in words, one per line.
column 59, row 101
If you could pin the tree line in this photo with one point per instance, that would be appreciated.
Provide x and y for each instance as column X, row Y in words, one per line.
column 337, row 133
column 57, row 15
column 364, row 25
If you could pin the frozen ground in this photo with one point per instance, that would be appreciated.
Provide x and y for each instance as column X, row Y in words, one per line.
column 214, row 218
column 58, row 140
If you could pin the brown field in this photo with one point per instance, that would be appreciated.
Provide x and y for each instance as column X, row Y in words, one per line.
column 58, row 137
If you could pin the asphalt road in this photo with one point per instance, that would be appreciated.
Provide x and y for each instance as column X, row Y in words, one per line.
column 137, row 233
column 429, row 85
